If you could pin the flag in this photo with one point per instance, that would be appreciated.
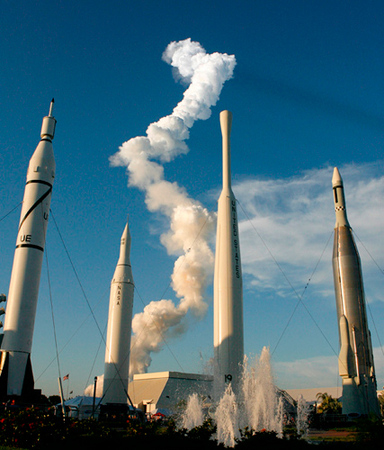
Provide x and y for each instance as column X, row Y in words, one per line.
column 66, row 377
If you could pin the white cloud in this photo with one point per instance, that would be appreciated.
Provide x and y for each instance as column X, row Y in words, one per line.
column 286, row 225
column 318, row 371
column 286, row 228
column 313, row 372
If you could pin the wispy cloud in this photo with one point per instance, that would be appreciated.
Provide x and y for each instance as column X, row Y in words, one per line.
column 313, row 372
column 286, row 226
column 318, row 371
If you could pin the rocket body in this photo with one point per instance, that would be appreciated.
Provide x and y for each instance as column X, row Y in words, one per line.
column 356, row 365
column 228, row 285
column 15, row 366
column 119, row 327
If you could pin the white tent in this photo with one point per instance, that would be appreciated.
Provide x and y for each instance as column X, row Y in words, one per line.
column 81, row 407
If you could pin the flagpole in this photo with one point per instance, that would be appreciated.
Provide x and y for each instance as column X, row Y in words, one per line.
column 61, row 397
column 94, row 397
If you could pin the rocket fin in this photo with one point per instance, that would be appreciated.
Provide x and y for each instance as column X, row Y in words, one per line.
column 344, row 369
column 28, row 390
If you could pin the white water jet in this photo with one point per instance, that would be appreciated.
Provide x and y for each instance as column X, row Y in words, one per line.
column 227, row 419
column 258, row 406
column 193, row 415
column 302, row 417
column 262, row 408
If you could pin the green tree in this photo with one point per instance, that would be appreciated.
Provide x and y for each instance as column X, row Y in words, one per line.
column 328, row 404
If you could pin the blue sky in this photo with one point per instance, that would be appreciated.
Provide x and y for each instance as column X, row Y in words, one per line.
column 306, row 95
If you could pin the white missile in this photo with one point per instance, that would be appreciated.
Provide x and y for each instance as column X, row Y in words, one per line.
column 228, row 284
column 117, row 350
column 356, row 366
column 15, row 366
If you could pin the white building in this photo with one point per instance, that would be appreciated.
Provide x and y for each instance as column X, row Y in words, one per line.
column 151, row 392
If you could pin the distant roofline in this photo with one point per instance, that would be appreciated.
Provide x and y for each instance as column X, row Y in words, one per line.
column 178, row 375
column 309, row 394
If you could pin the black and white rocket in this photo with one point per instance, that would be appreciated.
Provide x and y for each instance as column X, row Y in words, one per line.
column 228, row 282
column 16, row 377
column 356, row 366
column 118, row 343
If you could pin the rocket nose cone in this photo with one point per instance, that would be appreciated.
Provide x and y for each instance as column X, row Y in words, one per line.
column 125, row 246
column 126, row 235
column 336, row 178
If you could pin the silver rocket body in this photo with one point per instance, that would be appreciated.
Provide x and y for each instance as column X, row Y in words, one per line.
column 119, row 327
column 228, row 285
column 15, row 366
column 356, row 366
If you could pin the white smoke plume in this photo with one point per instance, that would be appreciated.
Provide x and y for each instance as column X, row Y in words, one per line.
column 90, row 389
column 191, row 225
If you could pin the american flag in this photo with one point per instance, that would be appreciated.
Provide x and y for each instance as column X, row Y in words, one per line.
column 66, row 377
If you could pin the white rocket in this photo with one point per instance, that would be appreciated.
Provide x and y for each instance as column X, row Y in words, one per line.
column 356, row 366
column 16, row 377
column 117, row 350
column 228, row 284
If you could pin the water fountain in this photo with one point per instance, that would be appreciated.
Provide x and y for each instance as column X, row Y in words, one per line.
column 227, row 419
column 257, row 406
column 261, row 406
column 302, row 417
column 193, row 416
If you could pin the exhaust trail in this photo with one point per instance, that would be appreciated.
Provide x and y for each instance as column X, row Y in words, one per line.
column 191, row 226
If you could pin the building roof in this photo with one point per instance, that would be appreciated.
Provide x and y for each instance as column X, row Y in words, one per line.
column 82, row 400
column 167, row 375
column 166, row 389
column 310, row 395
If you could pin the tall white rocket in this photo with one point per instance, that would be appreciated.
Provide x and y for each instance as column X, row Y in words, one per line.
column 228, row 284
column 356, row 366
column 118, row 344
column 16, row 377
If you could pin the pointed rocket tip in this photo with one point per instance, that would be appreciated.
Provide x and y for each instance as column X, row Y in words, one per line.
column 126, row 235
column 51, row 107
column 336, row 178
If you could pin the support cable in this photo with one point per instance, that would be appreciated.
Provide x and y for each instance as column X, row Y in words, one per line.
column 91, row 310
column 368, row 306
column 77, row 277
column 290, row 284
column 52, row 313
column 10, row 212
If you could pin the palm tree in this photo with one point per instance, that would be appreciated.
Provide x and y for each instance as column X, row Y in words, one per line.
column 328, row 404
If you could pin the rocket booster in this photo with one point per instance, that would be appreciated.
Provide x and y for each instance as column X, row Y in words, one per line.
column 228, row 285
column 356, row 365
column 119, row 327
column 27, row 263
